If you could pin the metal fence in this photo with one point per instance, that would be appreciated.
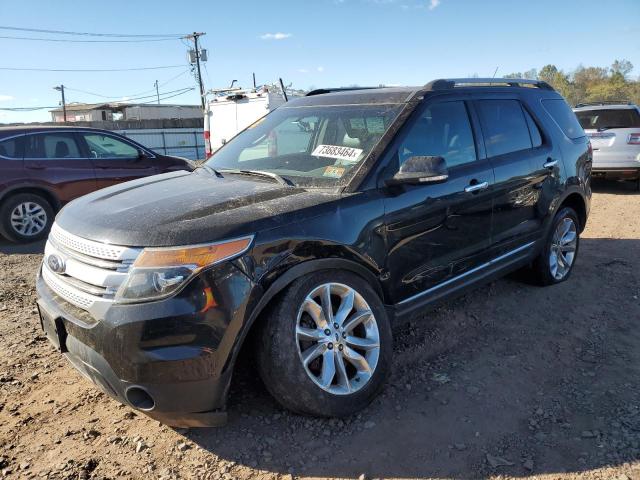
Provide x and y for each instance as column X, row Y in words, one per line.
column 180, row 142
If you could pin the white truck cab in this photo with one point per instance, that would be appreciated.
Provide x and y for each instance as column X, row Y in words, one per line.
column 229, row 111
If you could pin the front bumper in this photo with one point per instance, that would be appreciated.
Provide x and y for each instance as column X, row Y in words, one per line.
column 171, row 359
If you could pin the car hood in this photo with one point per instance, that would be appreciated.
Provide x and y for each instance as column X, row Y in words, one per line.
column 185, row 208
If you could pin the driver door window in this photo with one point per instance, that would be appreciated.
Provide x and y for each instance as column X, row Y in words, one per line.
column 105, row 146
column 443, row 130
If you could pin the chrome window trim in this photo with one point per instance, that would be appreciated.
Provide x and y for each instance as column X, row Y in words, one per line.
column 80, row 130
column 467, row 273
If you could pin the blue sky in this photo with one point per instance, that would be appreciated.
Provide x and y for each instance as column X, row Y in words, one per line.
column 309, row 43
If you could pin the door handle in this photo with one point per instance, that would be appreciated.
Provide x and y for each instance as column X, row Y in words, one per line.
column 476, row 187
column 550, row 163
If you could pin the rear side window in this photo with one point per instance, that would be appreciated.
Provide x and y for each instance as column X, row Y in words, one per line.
column 504, row 126
column 609, row 118
column 564, row 117
column 534, row 131
column 11, row 148
column 51, row 145
column 443, row 130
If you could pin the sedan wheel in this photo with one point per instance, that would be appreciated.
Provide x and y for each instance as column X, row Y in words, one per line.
column 29, row 219
column 25, row 217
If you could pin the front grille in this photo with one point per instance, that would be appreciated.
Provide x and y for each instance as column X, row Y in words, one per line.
column 91, row 272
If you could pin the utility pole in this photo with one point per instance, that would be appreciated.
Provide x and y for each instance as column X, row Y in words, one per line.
column 195, row 36
column 64, row 105
column 157, row 93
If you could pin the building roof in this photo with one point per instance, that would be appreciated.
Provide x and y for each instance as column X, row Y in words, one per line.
column 85, row 107
column 82, row 107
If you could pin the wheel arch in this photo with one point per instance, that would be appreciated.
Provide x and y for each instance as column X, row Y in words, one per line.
column 284, row 280
column 33, row 189
column 577, row 202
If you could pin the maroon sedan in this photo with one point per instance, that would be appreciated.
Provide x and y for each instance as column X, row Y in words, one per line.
column 44, row 167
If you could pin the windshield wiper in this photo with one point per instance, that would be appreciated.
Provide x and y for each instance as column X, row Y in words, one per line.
column 211, row 170
column 261, row 173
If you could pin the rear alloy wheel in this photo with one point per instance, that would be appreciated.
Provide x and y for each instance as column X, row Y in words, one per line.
column 555, row 262
column 25, row 217
column 325, row 348
column 563, row 248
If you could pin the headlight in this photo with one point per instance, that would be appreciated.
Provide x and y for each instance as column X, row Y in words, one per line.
column 159, row 272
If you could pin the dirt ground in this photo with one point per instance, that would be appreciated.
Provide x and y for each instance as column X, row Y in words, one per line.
column 510, row 381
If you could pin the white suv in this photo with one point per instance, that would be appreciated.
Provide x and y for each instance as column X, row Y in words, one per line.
column 614, row 130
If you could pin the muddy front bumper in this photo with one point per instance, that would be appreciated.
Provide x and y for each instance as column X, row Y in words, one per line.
column 171, row 359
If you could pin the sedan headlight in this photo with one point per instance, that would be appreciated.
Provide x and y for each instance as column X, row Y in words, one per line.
column 160, row 272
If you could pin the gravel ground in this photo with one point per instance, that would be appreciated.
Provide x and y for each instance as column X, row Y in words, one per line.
column 510, row 381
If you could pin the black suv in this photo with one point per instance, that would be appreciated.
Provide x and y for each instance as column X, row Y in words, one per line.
column 308, row 234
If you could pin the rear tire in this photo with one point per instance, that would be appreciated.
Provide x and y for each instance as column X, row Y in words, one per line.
column 325, row 363
column 25, row 217
column 558, row 256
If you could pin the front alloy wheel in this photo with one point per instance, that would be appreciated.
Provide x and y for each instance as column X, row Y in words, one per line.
column 25, row 217
column 324, row 347
column 338, row 338
column 29, row 219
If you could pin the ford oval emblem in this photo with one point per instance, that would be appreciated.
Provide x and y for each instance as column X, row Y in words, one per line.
column 55, row 263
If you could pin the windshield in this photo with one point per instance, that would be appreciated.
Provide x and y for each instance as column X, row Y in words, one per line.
column 308, row 146
column 609, row 118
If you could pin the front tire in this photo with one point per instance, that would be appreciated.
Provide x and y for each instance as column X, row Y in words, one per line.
column 555, row 262
column 325, row 348
column 25, row 217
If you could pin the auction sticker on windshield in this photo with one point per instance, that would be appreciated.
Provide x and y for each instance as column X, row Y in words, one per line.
column 335, row 151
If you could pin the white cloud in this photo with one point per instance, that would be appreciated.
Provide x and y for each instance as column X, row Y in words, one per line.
column 303, row 70
column 5, row 98
column 320, row 69
column 275, row 36
column 433, row 4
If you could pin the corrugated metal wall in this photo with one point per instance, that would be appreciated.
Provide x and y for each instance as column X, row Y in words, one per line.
column 181, row 142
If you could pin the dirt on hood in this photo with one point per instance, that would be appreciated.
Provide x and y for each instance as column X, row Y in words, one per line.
column 509, row 381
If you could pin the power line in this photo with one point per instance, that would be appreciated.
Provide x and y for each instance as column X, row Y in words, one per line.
column 133, row 97
column 67, row 40
column 20, row 69
column 29, row 109
column 121, row 35
column 133, row 94
column 165, row 98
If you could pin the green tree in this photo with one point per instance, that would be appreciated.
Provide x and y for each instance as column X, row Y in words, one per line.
column 622, row 67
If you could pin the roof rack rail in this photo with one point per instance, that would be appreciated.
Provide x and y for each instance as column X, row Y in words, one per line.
column 321, row 91
column 605, row 102
column 449, row 83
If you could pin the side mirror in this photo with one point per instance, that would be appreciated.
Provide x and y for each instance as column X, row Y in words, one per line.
column 420, row 170
column 141, row 154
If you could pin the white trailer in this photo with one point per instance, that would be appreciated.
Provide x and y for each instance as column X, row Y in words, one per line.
column 230, row 111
